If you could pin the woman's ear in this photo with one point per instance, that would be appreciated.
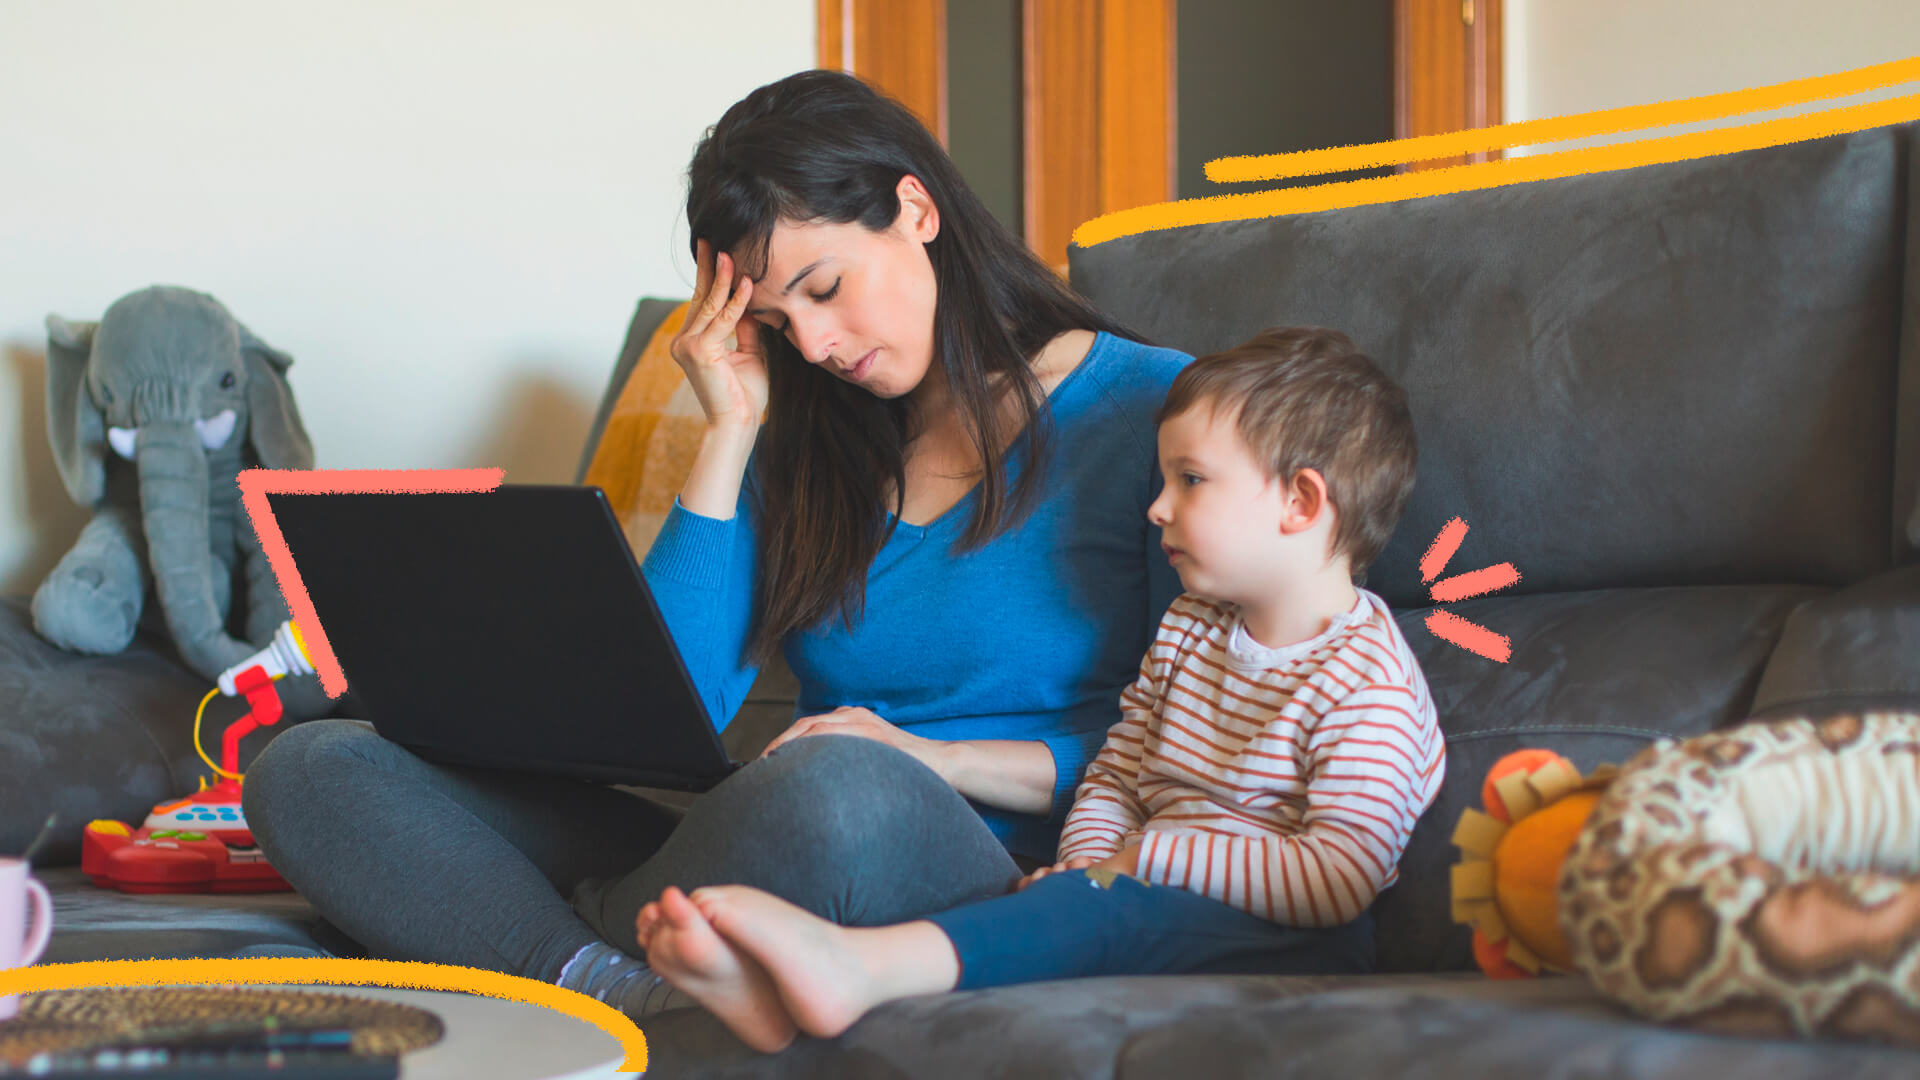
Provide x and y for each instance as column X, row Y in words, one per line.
column 919, row 217
column 273, row 422
column 74, row 425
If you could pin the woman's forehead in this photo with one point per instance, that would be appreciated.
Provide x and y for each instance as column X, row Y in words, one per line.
column 794, row 246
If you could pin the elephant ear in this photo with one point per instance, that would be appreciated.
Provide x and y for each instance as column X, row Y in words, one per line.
column 74, row 424
column 273, row 424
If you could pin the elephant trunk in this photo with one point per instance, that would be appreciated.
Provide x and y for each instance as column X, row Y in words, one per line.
column 174, row 509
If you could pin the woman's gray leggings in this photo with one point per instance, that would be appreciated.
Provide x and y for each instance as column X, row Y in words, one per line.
column 515, row 872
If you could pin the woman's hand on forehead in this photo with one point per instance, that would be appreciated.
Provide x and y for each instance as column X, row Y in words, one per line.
column 720, row 354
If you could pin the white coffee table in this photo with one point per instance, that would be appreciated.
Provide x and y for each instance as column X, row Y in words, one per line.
column 491, row 1039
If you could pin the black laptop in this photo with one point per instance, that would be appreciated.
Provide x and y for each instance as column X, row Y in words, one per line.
column 508, row 629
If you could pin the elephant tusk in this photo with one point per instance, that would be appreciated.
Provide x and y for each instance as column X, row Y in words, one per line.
column 215, row 430
column 122, row 440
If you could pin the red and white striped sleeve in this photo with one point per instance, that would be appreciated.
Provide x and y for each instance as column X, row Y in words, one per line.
column 1374, row 762
column 1107, row 806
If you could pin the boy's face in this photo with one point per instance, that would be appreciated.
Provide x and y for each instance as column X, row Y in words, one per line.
column 1220, row 513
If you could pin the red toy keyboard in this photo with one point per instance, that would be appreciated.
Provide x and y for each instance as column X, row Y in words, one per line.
column 197, row 844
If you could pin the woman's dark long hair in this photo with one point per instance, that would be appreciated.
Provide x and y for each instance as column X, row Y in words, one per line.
column 823, row 147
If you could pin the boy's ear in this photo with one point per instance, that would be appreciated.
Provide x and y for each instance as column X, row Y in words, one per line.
column 1304, row 500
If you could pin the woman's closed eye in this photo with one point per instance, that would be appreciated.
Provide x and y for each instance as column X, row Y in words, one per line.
column 818, row 298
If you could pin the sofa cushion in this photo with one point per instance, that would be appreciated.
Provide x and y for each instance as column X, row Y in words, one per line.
column 1049, row 1029
column 1255, row 1026
column 1594, row 676
column 1545, row 1030
column 91, row 923
column 1855, row 648
column 1679, row 373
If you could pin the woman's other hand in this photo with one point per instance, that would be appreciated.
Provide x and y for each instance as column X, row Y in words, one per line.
column 731, row 384
column 1010, row 774
column 863, row 723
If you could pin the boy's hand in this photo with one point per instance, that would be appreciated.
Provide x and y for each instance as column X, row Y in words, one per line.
column 1125, row 861
column 1080, row 863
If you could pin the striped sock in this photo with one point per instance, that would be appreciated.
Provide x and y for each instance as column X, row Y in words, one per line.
column 606, row 974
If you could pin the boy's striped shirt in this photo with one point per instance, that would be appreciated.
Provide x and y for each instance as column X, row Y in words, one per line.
column 1284, row 782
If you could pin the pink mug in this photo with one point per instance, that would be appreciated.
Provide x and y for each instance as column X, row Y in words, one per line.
column 20, row 945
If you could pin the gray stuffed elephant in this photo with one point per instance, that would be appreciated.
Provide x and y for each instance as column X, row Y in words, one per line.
column 153, row 411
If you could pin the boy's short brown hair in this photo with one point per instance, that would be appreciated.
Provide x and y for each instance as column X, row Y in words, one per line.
column 1306, row 398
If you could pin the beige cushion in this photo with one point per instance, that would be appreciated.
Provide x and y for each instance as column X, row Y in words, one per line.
column 650, row 438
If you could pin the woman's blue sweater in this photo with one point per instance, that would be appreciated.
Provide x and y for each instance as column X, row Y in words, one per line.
column 1032, row 636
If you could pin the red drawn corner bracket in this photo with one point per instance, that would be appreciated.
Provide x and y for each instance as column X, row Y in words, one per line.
column 257, row 484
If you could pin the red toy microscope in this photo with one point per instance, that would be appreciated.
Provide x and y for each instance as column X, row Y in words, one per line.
column 201, row 843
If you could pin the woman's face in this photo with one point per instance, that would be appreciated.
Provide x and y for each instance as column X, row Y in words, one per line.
column 857, row 302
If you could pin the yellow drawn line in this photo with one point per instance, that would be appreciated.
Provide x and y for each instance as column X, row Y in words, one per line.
column 1488, row 174
column 1230, row 170
column 406, row 975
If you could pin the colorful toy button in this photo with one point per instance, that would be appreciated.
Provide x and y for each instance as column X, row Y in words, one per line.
column 190, row 836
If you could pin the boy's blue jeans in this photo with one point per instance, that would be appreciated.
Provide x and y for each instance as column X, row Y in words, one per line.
column 1067, row 926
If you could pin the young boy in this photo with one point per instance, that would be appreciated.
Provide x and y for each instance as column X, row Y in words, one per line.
column 1268, row 766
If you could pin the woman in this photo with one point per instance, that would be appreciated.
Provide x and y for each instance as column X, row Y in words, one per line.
column 940, row 522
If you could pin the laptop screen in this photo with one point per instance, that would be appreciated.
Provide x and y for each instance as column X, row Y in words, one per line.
column 506, row 629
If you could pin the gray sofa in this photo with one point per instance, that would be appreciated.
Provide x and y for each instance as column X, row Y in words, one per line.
column 1683, row 400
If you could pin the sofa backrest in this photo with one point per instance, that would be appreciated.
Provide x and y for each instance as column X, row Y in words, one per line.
column 1682, row 373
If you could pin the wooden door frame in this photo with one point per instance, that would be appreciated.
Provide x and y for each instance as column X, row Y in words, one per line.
column 899, row 46
column 1487, row 77
column 1097, row 96
column 1098, row 107
column 1426, row 70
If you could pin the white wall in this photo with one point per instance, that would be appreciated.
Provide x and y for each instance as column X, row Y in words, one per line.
column 444, row 210
column 1571, row 56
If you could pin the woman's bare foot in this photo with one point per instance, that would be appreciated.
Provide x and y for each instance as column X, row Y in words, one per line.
column 684, row 949
column 829, row 976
